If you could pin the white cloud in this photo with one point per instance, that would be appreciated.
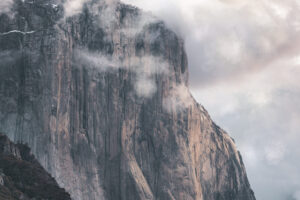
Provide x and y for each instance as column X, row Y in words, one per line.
column 145, row 87
column 178, row 99
column 73, row 7
column 229, row 38
column 244, row 68
column 95, row 59
column 275, row 152
column 145, row 68
column 5, row 6
column 251, row 156
column 262, row 112
column 297, row 195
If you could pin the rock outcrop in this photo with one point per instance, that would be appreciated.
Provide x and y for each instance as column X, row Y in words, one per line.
column 22, row 177
column 101, row 98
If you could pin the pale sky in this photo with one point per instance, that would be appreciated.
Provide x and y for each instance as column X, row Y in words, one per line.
column 244, row 61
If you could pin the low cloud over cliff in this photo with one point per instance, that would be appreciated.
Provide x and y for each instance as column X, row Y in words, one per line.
column 244, row 68
column 145, row 68
column 5, row 6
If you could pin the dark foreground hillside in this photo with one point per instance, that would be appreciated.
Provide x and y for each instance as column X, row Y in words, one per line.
column 22, row 177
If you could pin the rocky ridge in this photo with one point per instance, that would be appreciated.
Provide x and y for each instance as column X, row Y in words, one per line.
column 22, row 177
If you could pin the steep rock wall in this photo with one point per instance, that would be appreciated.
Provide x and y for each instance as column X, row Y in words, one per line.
column 102, row 100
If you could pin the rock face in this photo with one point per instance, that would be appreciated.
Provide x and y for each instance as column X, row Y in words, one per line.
column 101, row 98
column 22, row 177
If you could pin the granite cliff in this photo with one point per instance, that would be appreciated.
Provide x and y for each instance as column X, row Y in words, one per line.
column 101, row 97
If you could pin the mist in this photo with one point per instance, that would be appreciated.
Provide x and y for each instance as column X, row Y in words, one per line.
column 179, row 99
column 5, row 6
column 145, row 68
column 244, row 64
column 74, row 7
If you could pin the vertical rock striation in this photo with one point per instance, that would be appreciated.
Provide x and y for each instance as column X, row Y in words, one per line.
column 101, row 98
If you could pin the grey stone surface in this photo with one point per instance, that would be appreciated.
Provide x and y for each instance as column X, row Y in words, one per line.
column 102, row 100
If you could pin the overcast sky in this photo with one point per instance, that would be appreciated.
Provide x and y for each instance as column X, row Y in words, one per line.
column 244, row 60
